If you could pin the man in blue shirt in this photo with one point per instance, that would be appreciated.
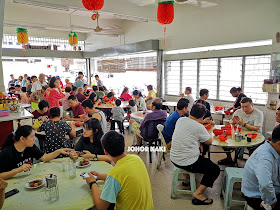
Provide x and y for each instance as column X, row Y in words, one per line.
column 261, row 178
column 169, row 127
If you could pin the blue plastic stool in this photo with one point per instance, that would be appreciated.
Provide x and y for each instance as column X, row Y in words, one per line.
column 231, row 176
column 175, row 179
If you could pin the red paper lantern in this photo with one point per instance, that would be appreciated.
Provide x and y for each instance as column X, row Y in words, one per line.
column 165, row 13
column 93, row 4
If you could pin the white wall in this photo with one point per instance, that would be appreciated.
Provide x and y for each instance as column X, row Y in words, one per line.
column 229, row 22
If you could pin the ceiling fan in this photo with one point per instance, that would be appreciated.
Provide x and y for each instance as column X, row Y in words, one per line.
column 97, row 29
column 181, row 1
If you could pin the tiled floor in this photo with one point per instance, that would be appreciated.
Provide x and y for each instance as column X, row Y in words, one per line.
column 161, row 184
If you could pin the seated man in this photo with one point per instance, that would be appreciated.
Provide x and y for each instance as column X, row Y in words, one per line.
column 188, row 93
column 188, row 135
column 182, row 108
column 260, row 180
column 43, row 112
column 76, row 108
column 204, row 94
column 89, row 108
column 248, row 118
column 127, row 185
column 141, row 130
column 3, row 186
column 80, row 95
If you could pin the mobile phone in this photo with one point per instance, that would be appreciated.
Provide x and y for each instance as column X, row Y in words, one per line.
column 85, row 174
column 10, row 193
column 80, row 153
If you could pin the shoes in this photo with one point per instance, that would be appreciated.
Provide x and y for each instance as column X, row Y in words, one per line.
column 226, row 162
column 195, row 201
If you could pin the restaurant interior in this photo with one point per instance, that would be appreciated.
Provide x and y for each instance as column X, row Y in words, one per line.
column 136, row 58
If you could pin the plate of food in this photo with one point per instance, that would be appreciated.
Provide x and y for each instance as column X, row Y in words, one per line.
column 35, row 183
column 83, row 163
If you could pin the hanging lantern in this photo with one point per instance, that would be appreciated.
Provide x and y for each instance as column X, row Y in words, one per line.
column 93, row 4
column 165, row 13
column 73, row 39
column 22, row 36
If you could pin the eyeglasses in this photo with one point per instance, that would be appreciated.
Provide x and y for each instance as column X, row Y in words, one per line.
column 277, row 114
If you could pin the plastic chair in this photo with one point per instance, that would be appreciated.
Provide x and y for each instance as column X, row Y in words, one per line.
column 163, row 143
column 231, row 176
column 175, row 179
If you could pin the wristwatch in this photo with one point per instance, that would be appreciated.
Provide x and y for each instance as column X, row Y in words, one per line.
column 90, row 184
column 95, row 158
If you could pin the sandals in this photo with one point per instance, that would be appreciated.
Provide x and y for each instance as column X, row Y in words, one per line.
column 195, row 201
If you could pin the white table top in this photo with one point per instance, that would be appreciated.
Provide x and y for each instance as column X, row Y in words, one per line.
column 231, row 143
column 73, row 193
column 25, row 105
column 138, row 116
column 17, row 116
column 218, row 112
column 169, row 103
column 110, row 106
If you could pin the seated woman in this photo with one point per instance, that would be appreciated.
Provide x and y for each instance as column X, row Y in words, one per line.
column 56, row 130
column 43, row 112
column 125, row 95
column 19, row 150
column 90, row 142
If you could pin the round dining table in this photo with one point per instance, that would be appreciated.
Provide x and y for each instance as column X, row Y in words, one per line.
column 74, row 193
column 124, row 104
column 236, row 145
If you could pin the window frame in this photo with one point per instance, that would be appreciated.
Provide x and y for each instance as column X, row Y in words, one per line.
column 218, row 74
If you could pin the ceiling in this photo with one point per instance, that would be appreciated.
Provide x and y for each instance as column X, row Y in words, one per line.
column 52, row 18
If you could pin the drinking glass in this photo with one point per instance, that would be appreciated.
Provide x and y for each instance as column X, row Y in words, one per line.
column 52, row 192
column 64, row 164
column 72, row 169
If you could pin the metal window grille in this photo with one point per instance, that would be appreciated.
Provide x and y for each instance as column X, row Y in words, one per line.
column 230, row 76
column 208, row 76
column 173, row 77
column 189, row 77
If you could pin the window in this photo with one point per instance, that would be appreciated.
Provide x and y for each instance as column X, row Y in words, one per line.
column 173, row 78
column 208, row 76
column 230, row 76
column 257, row 68
column 189, row 76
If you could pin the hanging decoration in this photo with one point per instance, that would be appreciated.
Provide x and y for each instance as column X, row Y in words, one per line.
column 73, row 39
column 22, row 36
column 95, row 16
column 93, row 4
column 165, row 14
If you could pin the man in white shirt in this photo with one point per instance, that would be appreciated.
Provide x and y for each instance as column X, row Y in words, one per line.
column 37, row 86
column 248, row 118
column 185, row 151
column 188, row 93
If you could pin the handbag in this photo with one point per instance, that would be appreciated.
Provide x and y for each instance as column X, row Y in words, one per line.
column 67, row 142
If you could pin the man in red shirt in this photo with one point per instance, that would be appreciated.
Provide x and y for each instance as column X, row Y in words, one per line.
column 76, row 108
column 80, row 95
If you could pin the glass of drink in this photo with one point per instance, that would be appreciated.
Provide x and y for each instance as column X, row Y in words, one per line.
column 52, row 192
column 72, row 169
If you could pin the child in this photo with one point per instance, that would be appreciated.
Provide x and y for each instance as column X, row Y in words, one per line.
column 133, row 108
column 139, row 100
column 117, row 115
column 23, row 96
